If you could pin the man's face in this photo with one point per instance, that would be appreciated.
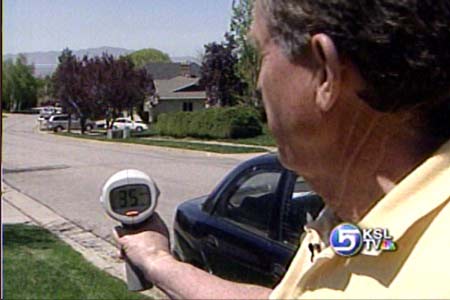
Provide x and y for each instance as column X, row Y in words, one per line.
column 288, row 92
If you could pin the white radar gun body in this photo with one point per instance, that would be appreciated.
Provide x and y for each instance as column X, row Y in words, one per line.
column 130, row 197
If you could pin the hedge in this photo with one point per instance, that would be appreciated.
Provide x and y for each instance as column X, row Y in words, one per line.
column 215, row 123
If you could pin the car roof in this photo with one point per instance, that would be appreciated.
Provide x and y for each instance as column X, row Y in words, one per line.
column 59, row 115
column 268, row 158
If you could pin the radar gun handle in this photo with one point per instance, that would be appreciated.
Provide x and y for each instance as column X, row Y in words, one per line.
column 135, row 277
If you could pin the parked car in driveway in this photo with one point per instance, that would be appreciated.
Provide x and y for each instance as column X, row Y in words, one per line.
column 43, row 121
column 61, row 122
column 45, row 113
column 122, row 123
column 250, row 226
column 101, row 124
column 48, row 111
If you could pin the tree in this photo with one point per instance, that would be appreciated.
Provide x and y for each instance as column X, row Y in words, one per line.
column 67, row 84
column 248, row 63
column 45, row 91
column 100, row 87
column 120, row 86
column 7, row 71
column 142, row 57
column 218, row 73
column 18, row 85
column 26, row 89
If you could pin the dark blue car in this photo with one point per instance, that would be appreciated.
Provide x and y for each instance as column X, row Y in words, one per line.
column 249, row 227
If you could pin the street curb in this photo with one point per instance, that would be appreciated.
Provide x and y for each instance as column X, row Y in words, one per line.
column 239, row 156
column 94, row 249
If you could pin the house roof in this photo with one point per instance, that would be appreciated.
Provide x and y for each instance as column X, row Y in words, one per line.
column 170, row 70
column 180, row 88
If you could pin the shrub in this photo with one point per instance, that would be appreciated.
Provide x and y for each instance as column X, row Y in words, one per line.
column 216, row 123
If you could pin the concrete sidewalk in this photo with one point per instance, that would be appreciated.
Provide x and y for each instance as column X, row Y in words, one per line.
column 220, row 143
column 19, row 208
column 11, row 215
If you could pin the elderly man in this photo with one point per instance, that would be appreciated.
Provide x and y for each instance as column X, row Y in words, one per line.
column 357, row 96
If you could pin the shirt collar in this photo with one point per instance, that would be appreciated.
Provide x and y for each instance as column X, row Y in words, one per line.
column 423, row 190
column 324, row 224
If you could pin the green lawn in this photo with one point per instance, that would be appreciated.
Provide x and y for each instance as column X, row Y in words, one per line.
column 173, row 143
column 264, row 139
column 37, row 265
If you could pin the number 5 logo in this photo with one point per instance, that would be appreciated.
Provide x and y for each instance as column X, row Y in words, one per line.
column 346, row 239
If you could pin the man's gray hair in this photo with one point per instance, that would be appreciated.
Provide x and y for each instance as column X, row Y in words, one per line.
column 401, row 48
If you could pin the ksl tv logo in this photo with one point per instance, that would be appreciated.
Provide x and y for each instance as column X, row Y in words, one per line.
column 347, row 239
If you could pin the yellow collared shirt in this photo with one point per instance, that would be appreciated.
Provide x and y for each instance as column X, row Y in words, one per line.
column 417, row 214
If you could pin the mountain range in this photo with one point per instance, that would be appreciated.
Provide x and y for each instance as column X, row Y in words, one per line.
column 45, row 63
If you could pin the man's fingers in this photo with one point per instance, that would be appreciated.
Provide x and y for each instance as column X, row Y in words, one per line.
column 119, row 254
column 119, row 235
column 120, row 231
column 115, row 235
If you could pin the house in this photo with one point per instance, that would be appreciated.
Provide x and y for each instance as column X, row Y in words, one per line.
column 177, row 89
column 176, row 94
column 164, row 71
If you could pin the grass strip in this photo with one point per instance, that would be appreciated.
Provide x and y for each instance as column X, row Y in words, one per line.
column 199, row 146
column 37, row 265
column 260, row 140
column 265, row 139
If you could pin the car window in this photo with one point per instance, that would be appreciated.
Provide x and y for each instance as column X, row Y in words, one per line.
column 302, row 207
column 63, row 118
column 301, row 185
column 251, row 203
column 120, row 121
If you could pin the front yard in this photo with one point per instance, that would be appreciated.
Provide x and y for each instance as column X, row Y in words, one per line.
column 37, row 265
column 151, row 138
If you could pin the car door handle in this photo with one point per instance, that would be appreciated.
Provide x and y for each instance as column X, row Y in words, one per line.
column 212, row 241
column 278, row 270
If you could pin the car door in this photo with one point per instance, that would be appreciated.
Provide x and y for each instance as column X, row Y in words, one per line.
column 241, row 241
column 119, row 123
column 129, row 124
column 300, row 206
column 75, row 122
column 60, row 121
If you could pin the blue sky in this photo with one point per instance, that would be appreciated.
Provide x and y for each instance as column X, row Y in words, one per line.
column 177, row 27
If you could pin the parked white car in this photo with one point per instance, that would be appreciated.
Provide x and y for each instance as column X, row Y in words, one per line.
column 100, row 124
column 122, row 123
column 48, row 110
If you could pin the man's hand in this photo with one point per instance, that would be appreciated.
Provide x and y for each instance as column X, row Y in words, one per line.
column 146, row 245
column 148, row 249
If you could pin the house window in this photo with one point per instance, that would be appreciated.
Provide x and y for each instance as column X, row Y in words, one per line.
column 188, row 106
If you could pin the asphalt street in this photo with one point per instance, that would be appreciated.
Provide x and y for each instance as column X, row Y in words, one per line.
column 66, row 174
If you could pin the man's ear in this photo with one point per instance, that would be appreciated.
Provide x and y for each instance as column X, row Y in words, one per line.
column 327, row 57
